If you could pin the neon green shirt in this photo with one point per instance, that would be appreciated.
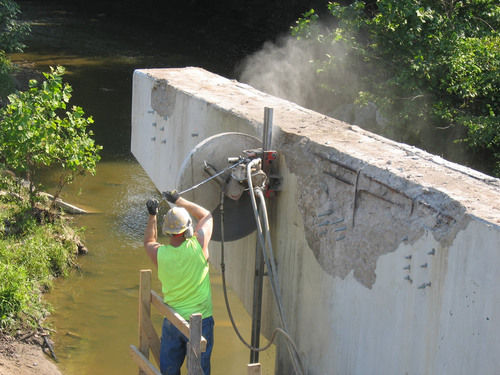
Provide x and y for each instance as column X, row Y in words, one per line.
column 183, row 272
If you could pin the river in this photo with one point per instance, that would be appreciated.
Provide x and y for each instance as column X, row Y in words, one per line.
column 95, row 308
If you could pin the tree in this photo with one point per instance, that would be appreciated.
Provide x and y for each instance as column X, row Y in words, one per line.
column 6, row 83
column 426, row 64
column 12, row 32
column 38, row 130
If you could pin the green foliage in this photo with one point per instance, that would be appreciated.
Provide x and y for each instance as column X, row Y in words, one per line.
column 303, row 25
column 27, row 267
column 32, row 254
column 38, row 130
column 42, row 256
column 12, row 31
column 15, row 292
column 423, row 63
column 6, row 82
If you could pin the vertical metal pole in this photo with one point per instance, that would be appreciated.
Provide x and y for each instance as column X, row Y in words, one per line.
column 257, row 303
column 259, row 259
column 268, row 129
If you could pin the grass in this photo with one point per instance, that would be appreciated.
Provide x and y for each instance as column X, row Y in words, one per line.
column 35, row 247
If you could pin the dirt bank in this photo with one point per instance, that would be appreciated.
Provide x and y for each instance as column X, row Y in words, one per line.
column 18, row 358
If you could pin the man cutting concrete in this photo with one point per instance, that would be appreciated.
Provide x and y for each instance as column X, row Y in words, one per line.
column 184, row 274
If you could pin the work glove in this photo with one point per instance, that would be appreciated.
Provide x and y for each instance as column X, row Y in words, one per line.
column 171, row 196
column 152, row 206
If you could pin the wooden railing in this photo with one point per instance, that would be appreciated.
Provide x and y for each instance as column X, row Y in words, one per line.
column 149, row 339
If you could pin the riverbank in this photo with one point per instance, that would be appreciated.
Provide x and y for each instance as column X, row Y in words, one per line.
column 37, row 245
column 19, row 358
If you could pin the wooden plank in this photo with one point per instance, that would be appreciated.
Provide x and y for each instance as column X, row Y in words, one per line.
column 175, row 318
column 194, row 352
column 178, row 321
column 144, row 312
column 144, row 365
column 153, row 339
column 254, row 369
column 66, row 207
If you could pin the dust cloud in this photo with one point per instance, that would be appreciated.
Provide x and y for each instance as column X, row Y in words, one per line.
column 282, row 69
column 291, row 69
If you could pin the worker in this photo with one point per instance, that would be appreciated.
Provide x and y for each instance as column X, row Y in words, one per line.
column 183, row 271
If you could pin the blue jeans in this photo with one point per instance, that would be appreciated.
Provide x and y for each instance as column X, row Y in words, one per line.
column 174, row 344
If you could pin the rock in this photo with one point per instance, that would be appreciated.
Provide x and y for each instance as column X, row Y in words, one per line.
column 82, row 250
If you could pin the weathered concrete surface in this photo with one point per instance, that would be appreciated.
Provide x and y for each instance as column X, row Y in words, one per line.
column 387, row 255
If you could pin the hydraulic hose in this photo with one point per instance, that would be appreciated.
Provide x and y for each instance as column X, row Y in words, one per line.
column 262, row 242
column 226, row 299
column 260, row 236
column 274, row 284
column 269, row 244
column 293, row 354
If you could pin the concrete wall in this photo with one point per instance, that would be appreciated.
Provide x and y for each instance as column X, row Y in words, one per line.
column 388, row 256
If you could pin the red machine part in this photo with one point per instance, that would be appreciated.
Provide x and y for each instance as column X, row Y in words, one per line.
column 269, row 167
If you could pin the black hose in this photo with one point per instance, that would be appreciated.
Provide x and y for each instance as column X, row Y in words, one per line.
column 228, row 307
column 277, row 330
column 224, row 287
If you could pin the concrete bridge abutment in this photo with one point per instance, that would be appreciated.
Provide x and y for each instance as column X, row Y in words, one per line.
column 388, row 256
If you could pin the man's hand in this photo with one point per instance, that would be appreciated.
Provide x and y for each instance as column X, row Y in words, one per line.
column 171, row 196
column 152, row 206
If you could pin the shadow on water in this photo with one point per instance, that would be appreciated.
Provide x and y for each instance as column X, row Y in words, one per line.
column 96, row 308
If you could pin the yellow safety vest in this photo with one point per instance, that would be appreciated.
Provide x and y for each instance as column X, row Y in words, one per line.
column 185, row 280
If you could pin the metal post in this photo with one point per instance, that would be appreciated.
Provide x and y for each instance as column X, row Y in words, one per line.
column 257, row 303
column 268, row 129
column 259, row 259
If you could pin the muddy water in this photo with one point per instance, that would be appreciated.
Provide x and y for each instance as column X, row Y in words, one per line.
column 95, row 309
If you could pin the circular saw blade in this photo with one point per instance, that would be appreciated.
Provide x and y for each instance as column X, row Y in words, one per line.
column 238, row 215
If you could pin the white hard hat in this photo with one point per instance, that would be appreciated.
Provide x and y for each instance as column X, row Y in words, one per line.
column 177, row 220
